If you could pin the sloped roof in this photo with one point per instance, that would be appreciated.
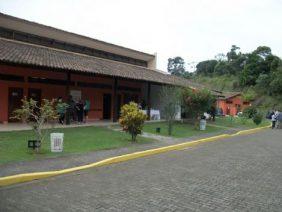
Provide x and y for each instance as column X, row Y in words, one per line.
column 21, row 53
column 22, row 25
column 228, row 95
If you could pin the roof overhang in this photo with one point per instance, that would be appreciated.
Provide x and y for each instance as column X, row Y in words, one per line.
column 34, row 28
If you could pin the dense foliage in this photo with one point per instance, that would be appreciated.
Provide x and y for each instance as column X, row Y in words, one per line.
column 250, row 112
column 132, row 119
column 196, row 102
column 257, row 118
column 260, row 70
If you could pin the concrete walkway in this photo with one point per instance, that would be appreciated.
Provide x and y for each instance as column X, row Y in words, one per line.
column 21, row 126
column 72, row 160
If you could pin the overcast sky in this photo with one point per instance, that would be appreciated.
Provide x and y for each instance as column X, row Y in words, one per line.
column 193, row 29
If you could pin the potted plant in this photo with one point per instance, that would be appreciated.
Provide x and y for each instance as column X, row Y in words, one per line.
column 36, row 116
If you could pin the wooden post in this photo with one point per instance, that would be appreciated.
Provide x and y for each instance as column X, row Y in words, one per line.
column 149, row 101
column 68, row 84
column 115, row 106
column 68, row 112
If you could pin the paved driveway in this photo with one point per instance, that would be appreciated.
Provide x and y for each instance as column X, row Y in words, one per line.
column 239, row 174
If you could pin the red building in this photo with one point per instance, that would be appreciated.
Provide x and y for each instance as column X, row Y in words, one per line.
column 231, row 103
column 39, row 62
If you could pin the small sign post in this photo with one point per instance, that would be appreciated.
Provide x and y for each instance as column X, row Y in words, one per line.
column 57, row 141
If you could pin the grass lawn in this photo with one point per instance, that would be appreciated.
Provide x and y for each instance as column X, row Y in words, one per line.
column 236, row 122
column 180, row 130
column 13, row 145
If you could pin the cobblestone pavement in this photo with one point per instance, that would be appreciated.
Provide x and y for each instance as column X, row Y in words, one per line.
column 243, row 173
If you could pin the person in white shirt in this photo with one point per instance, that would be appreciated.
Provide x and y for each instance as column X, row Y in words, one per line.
column 274, row 119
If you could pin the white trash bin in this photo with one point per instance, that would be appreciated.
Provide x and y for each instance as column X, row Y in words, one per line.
column 203, row 124
column 57, row 141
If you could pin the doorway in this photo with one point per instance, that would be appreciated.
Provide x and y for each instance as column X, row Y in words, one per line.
column 107, row 106
column 35, row 94
column 14, row 102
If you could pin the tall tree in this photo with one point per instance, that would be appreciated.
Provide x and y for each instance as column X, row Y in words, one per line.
column 206, row 67
column 170, row 102
column 176, row 66
column 220, row 57
column 233, row 54
column 259, row 62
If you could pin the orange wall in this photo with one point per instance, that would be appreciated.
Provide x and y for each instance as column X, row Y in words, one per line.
column 237, row 100
column 95, row 95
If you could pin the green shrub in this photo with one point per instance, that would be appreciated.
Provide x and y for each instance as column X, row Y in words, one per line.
column 230, row 120
column 243, row 120
column 257, row 118
column 132, row 119
column 250, row 112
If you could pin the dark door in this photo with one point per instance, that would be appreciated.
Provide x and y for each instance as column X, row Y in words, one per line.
column 15, row 101
column 35, row 94
column 107, row 106
column 130, row 98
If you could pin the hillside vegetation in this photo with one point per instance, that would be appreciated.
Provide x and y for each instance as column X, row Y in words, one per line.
column 258, row 75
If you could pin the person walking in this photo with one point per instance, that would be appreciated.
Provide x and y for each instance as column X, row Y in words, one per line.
column 79, row 110
column 86, row 109
column 61, row 110
column 273, row 120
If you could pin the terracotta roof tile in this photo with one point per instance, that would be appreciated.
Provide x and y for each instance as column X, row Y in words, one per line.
column 29, row 54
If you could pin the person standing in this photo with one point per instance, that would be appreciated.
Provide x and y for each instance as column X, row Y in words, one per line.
column 273, row 120
column 213, row 111
column 79, row 110
column 61, row 110
column 86, row 109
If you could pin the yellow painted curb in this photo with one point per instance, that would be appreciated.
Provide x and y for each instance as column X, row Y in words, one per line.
column 19, row 178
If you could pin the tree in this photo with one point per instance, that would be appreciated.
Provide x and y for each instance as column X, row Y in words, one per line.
column 249, row 95
column 233, row 54
column 275, row 85
column 176, row 66
column 170, row 102
column 263, row 51
column 132, row 119
column 206, row 67
column 220, row 57
column 222, row 67
column 36, row 115
column 263, row 82
column 196, row 102
column 260, row 61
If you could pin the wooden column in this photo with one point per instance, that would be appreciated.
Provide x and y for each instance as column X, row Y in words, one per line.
column 115, row 106
column 149, row 101
column 68, row 84
column 67, row 96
